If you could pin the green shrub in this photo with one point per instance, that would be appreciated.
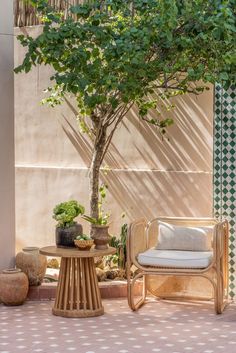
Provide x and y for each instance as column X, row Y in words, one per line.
column 65, row 213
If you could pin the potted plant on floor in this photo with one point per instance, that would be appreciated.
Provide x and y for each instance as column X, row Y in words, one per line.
column 67, row 229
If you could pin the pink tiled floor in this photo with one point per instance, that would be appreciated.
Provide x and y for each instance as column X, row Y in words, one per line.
column 160, row 326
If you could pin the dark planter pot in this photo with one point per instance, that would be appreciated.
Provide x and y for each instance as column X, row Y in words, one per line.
column 100, row 236
column 65, row 236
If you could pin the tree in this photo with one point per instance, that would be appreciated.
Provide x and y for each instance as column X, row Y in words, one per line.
column 112, row 54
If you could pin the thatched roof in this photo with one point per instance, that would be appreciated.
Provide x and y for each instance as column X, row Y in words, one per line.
column 24, row 13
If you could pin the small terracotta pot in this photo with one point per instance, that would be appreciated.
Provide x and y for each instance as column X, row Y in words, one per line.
column 33, row 264
column 14, row 286
column 100, row 236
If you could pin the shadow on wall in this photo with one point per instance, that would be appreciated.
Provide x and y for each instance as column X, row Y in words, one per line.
column 170, row 177
column 153, row 193
column 190, row 139
column 148, row 176
column 81, row 144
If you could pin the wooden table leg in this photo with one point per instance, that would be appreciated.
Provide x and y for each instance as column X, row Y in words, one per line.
column 78, row 294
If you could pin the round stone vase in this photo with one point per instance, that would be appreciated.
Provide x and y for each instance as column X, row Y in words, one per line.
column 65, row 236
column 100, row 236
column 14, row 286
column 33, row 264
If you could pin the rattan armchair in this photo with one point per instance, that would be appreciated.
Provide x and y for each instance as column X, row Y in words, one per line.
column 143, row 236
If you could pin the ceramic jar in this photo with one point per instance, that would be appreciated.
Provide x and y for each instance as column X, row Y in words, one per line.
column 33, row 264
column 14, row 286
column 100, row 236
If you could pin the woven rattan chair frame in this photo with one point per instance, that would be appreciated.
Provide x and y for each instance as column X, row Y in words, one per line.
column 142, row 236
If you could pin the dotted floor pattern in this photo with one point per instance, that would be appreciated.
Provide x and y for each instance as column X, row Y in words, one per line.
column 159, row 326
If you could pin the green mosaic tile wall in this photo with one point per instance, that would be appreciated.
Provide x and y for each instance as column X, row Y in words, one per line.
column 225, row 169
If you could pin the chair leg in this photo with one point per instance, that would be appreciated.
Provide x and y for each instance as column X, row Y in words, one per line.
column 130, row 283
column 218, row 303
column 129, row 291
column 220, row 298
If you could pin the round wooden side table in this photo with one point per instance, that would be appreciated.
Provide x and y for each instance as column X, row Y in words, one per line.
column 77, row 294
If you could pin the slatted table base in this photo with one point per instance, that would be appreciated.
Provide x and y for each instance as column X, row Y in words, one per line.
column 78, row 294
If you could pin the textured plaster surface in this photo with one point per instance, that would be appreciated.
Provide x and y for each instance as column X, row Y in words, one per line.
column 7, row 172
column 148, row 176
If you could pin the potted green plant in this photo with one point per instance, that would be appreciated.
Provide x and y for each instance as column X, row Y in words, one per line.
column 67, row 229
column 83, row 242
column 99, row 231
column 100, row 226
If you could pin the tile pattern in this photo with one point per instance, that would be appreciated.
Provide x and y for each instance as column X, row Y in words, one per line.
column 225, row 168
column 159, row 326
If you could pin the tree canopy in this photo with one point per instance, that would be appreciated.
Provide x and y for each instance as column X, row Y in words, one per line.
column 112, row 54
column 115, row 51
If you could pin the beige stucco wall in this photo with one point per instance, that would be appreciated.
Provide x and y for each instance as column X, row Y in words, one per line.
column 7, row 205
column 148, row 177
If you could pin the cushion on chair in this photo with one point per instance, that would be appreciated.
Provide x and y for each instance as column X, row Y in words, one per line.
column 175, row 258
column 173, row 237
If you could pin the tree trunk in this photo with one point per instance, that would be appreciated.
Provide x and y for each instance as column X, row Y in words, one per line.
column 95, row 173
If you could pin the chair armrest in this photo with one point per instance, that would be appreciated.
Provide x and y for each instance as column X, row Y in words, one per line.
column 221, row 239
column 136, row 240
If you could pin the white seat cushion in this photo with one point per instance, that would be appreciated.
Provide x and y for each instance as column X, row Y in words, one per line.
column 175, row 258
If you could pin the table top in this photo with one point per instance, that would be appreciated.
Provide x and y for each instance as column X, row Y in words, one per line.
column 74, row 252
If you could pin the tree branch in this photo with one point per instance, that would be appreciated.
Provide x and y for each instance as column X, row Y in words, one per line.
column 109, row 138
column 112, row 116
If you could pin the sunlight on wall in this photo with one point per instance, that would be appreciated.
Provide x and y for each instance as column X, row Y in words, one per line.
column 148, row 177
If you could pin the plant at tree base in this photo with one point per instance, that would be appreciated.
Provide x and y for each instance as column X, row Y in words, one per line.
column 120, row 245
column 103, row 216
column 123, row 238
column 112, row 54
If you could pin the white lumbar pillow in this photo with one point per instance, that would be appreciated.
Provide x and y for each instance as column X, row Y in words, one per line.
column 173, row 237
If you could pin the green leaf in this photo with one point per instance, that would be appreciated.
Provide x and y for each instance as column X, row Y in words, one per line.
column 110, row 56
